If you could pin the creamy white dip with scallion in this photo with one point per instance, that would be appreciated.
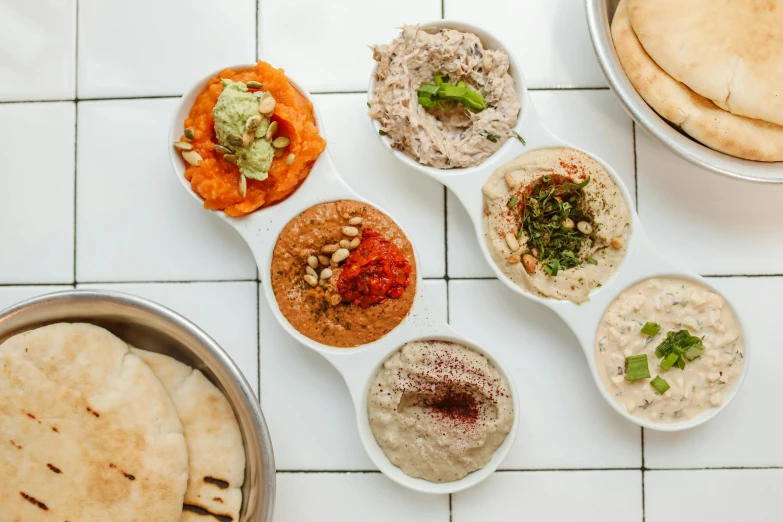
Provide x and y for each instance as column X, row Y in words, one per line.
column 674, row 305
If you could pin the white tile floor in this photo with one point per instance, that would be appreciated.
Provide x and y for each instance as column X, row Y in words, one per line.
column 97, row 206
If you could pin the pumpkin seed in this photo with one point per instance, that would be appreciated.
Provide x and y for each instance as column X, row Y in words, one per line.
column 183, row 145
column 281, row 142
column 230, row 158
column 189, row 134
column 192, row 157
column 260, row 94
column 234, row 140
column 267, row 105
column 290, row 158
column 254, row 84
column 248, row 138
column 279, row 153
column 270, row 131
column 220, row 149
column 253, row 122
column 242, row 186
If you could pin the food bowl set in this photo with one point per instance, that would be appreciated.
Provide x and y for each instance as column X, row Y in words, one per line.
column 599, row 18
column 143, row 323
column 642, row 260
column 358, row 365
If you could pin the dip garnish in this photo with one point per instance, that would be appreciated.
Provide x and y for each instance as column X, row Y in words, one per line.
column 374, row 271
column 551, row 214
column 660, row 385
column 681, row 344
column 651, row 329
column 447, row 96
column 636, row 367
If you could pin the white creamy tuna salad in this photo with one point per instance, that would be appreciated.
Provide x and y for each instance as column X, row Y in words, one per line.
column 675, row 319
column 451, row 131
column 556, row 223
column 439, row 410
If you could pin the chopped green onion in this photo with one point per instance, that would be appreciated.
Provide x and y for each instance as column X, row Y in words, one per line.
column 369, row 105
column 636, row 367
column 694, row 351
column 428, row 90
column 425, row 102
column 512, row 203
column 651, row 329
column 447, row 96
column 592, row 260
column 669, row 361
column 521, row 139
column 382, row 132
column 680, row 363
column 552, row 268
column 660, row 385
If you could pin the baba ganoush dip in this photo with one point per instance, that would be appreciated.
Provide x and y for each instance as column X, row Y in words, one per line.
column 447, row 134
column 555, row 223
column 343, row 273
column 672, row 305
column 439, row 410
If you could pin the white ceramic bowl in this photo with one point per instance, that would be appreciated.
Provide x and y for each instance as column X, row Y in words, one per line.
column 359, row 365
column 599, row 16
column 642, row 260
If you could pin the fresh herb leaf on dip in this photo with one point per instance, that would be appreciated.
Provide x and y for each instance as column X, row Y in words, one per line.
column 442, row 98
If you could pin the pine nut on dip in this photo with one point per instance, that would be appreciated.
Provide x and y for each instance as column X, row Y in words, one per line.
column 556, row 223
column 439, row 410
column 668, row 349
column 343, row 273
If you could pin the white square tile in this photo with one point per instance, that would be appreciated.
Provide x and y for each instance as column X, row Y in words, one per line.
column 36, row 193
column 587, row 496
column 591, row 120
column 134, row 220
column 548, row 37
column 323, row 45
column 322, row 435
column 10, row 295
column 714, row 495
column 38, row 43
column 564, row 422
column 705, row 222
column 746, row 433
column 353, row 497
column 226, row 311
column 160, row 47
column 411, row 197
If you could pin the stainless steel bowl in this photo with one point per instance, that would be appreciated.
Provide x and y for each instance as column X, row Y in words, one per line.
column 148, row 325
column 599, row 16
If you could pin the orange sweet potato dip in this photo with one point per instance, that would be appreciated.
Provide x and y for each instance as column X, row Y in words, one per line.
column 217, row 181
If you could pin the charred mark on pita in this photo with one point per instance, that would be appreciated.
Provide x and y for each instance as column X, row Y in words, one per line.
column 34, row 501
column 32, row 417
column 54, row 468
column 206, row 513
column 15, row 445
column 54, row 429
column 218, row 500
column 95, row 413
column 127, row 475
column 222, row 484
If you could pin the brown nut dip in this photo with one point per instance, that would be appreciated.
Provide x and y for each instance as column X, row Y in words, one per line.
column 343, row 273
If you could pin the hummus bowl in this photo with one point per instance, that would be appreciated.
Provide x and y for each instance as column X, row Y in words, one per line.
column 358, row 365
column 140, row 322
column 640, row 261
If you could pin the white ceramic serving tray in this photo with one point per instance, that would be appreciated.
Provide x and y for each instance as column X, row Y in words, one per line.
column 642, row 261
column 358, row 366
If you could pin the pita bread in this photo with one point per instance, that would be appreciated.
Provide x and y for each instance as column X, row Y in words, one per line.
column 697, row 116
column 216, row 454
column 87, row 432
column 729, row 51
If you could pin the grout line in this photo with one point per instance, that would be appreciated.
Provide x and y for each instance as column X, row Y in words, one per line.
column 451, row 511
column 162, row 282
column 542, row 470
column 644, row 514
column 339, row 92
column 75, row 185
column 635, row 168
column 257, row 31
column 567, row 88
column 742, row 275
column 446, row 232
